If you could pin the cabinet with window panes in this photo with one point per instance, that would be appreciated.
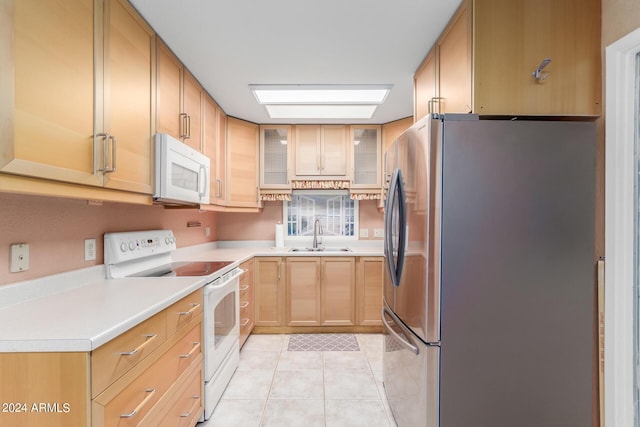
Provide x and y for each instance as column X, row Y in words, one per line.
column 275, row 143
column 366, row 148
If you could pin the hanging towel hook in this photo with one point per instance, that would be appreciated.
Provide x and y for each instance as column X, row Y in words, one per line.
column 538, row 74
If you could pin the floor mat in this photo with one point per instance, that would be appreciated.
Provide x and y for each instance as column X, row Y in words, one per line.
column 323, row 342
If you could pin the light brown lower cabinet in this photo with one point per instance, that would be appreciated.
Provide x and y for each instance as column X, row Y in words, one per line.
column 247, row 304
column 269, row 291
column 369, row 290
column 329, row 293
column 146, row 376
column 320, row 291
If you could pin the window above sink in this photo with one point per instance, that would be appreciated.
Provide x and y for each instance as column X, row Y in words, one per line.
column 336, row 211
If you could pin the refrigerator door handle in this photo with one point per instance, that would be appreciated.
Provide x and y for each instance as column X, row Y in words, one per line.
column 396, row 192
column 405, row 342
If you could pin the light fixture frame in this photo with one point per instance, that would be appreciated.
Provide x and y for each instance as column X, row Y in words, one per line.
column 255, row 88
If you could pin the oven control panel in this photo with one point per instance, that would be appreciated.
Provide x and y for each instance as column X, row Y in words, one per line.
column 136, row 245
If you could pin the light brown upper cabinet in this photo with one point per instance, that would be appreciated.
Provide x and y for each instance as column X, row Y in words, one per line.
column 485, row 59
column 275, row 150
column 321, row 152
column 58, row 77
column 242, row 164
column 210, row 144
column 366, row 147
column 125, row 99
column 180, row 100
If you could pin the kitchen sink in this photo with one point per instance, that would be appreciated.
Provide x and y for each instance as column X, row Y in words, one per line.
column 319, row 250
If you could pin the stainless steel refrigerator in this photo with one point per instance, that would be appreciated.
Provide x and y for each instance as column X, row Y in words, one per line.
column 489, row 295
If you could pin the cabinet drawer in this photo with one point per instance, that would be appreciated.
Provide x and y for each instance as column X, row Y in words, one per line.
column 182, row 313
column 137, row 398
column 186, row 405
column 110, row 361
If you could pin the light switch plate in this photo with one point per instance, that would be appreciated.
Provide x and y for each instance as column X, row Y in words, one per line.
column 378, row 232
column 364, row 232
column 19, row 257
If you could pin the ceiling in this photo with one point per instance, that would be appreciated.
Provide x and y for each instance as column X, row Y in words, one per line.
column 230, row 44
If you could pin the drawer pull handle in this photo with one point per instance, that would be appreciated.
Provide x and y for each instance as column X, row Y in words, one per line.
column 245, row 322
column 149, row 338
column 191, row 311
column 244, row 288
column 151, row 392
column 244, row 304
column 195, row 406
column 196, row 346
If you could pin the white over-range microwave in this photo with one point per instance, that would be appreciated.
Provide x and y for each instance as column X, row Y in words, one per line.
column 182, row 173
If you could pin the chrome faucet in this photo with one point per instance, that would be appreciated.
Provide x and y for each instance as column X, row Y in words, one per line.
column 317, row 230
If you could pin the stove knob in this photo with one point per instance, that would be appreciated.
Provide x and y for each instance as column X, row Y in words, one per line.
column 123, row 247
column 173, row 239
column 132, row 245
column 167, row 240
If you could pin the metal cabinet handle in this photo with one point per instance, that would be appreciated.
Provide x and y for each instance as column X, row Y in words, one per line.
column 114, row 152
column 194, row 307
column 183, row 126
column 196, row 346
column 245, row 322
column 151, row 392
column 149, row 338
column 244, row 304
column 108, row 141
column 219, row 195
column 188, row 414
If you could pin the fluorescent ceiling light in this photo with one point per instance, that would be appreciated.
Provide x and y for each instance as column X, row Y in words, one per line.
column 304, row 111
column 320, row 94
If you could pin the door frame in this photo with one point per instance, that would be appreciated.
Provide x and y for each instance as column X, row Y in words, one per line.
column 619, row 230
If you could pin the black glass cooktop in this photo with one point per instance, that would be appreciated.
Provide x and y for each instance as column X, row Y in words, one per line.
column 184, row 269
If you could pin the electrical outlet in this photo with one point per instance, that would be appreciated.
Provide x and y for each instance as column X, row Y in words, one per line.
column 364, row 232
column 19, row 257
column 378, row 232
column 207, row 232
column 89, row 249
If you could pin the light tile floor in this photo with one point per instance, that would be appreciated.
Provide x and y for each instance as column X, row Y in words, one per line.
column 274, row 387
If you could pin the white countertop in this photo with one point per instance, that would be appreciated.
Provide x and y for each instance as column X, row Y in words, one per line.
column 81, row 310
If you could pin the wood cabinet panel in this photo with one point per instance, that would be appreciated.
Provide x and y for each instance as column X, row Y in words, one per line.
column 425, row 83
column 338, row 291
column 307, row 147
column 369, row 290
column 184, row 407
column 243, row 163
column 303, row 291
column 210, row 142
column 321, row 151
column 140, row 394
column 454, row 63
column 193, row 97
column 511, row 38
column 247, row 301
column 128, row 69
column 486, row 55
column 181, row 314
column 113, row 359
column 334, row 155
column 47, row 106
column 60, row 379
column 269, row 291
column 169, row 78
